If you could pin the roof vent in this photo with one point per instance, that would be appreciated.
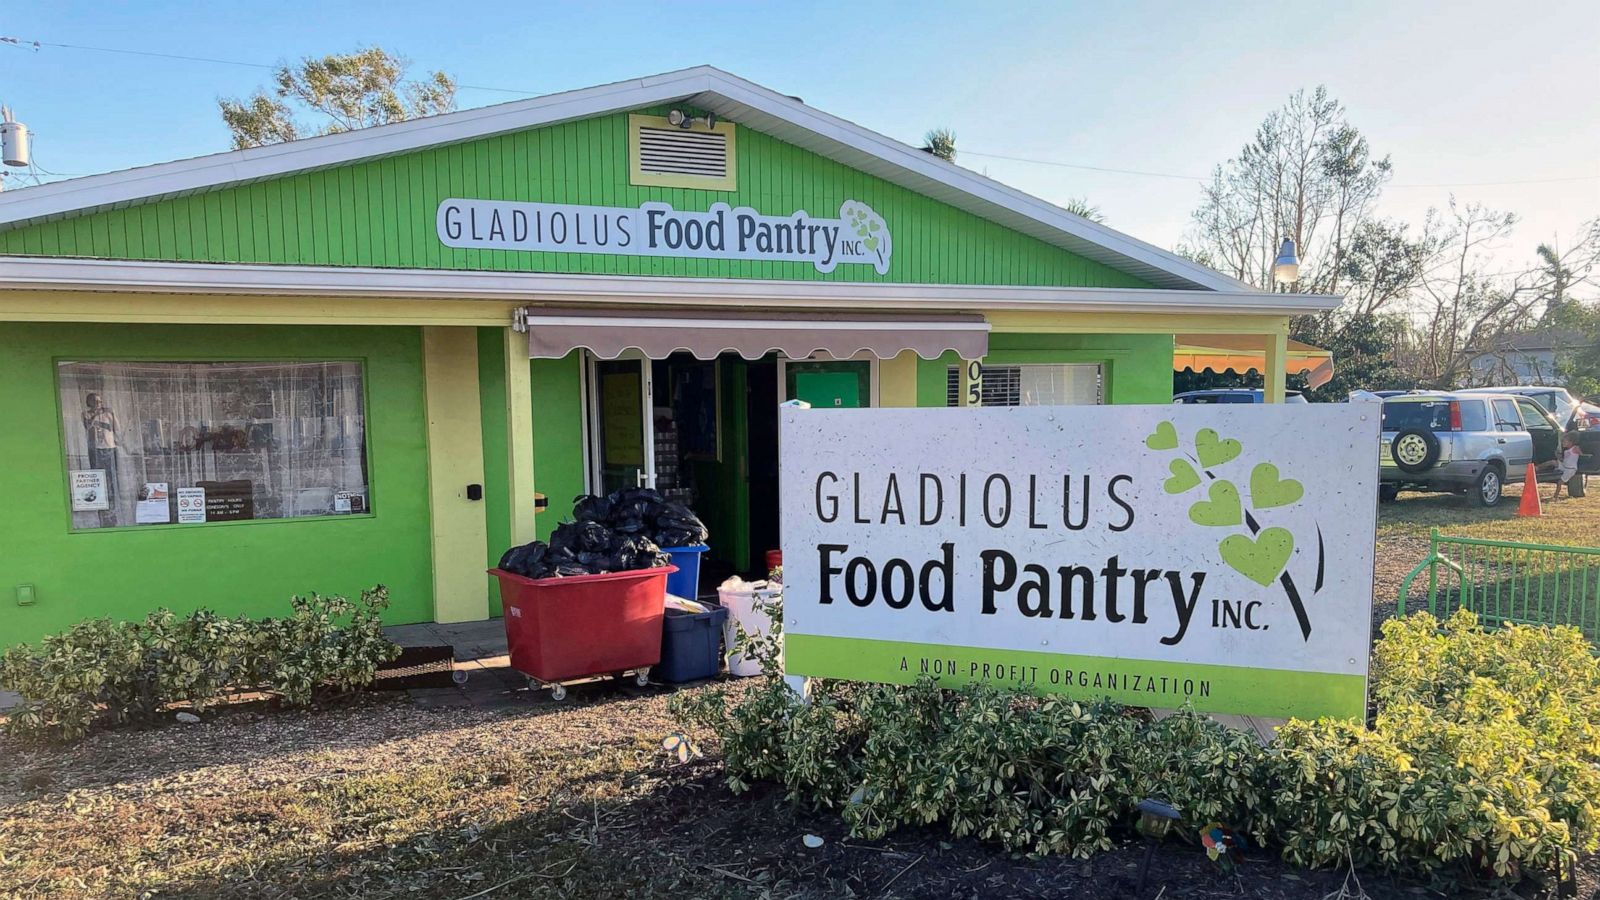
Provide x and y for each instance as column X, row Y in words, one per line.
column 674, row 151
column 689, row 155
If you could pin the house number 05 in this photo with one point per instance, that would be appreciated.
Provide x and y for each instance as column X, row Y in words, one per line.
column 974, row 383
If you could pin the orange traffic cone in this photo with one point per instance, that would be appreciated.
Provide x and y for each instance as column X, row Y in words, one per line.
column 1530, row 494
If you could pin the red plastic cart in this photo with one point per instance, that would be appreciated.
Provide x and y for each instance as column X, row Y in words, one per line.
column 577, row 628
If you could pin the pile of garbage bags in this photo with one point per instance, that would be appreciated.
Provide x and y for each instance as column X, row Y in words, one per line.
column 620, row 532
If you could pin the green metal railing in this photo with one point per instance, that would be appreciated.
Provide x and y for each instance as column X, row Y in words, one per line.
column 1505, row 582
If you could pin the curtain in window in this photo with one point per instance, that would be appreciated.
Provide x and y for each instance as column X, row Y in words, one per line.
column 277, row 439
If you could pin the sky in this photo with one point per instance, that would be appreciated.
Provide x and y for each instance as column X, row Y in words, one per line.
column 1489, row 102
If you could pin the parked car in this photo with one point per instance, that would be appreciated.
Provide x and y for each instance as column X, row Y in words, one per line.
column 1556, row 400
column 1234, row 395
column 1588, row 415
column 1468, row 442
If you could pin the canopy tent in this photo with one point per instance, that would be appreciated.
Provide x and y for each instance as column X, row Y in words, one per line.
column 1242, row 352
column 553, row 333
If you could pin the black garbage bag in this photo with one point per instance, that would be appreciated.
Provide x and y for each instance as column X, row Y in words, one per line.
column 619, row 532
column 593, row 537
column 591, row 508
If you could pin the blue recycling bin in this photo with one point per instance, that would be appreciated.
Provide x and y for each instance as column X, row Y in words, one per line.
column 691, row 645
column 686, row 581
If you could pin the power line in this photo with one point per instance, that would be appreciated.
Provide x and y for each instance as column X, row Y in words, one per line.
column 24, row 43
column 1065, row 165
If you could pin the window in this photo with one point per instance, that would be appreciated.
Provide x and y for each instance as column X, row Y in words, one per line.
column 1472, row 415
column 661, row 154
column 1505, row 416
column 1076, row 384
column 1428, row 415
column 1533, row 416
column 152, row 443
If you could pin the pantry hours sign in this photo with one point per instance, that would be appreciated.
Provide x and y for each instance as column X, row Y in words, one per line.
column 1216, row 556
column 858, row 235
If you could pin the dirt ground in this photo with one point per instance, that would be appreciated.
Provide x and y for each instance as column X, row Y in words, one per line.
column 384, row 797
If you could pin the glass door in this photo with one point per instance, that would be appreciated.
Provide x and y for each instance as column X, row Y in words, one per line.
column 621, row 430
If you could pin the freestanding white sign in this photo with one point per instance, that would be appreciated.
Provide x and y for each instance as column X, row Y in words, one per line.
column 1218, row 556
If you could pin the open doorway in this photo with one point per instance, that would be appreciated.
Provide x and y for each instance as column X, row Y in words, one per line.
column 705, row 433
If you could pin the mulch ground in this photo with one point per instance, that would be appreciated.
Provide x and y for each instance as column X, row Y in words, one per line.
column 381, row 796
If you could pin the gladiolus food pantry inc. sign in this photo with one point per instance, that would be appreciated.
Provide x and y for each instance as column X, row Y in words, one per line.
column 858, row 235
column 1216, row 556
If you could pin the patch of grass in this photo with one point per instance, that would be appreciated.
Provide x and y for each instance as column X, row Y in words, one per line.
column 444, row 828
column 1571, row 522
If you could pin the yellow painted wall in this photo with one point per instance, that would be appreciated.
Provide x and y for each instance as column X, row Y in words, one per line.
column 519, row 429
column 107, row 306
column 1134, row 323
column 897, row 380
column 455, row 460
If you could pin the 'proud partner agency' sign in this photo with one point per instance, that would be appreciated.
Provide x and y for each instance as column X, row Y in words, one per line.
column 1219, row 556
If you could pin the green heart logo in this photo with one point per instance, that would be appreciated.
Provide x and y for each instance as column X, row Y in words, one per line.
column 1213, row 450
column 1165, row 437
column 1183, row 477
column 1262, row 559
column 1222, row 509
column 1268, row 490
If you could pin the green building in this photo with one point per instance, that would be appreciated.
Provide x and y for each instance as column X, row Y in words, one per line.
column 363, row 357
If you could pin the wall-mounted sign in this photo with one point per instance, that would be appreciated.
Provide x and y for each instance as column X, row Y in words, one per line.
column 191, row 505
column 154, row 506
column 858, row 235
column 89, row 490
column 229, row 501
column 1219, row 556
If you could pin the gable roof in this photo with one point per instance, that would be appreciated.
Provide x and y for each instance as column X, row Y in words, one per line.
column 728, row 96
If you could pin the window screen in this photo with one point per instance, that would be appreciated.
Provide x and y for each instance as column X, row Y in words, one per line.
column 1076, row 384
column 153, row 443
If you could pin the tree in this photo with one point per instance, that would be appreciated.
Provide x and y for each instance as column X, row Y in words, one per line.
column 1363, row 351
column 1467, row 305
column 1464, row 306
column 1308, row 174
column 1579, row 267
column 349, row 91
column 941, row 142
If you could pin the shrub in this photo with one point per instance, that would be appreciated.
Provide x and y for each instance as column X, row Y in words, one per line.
column 1485, row 753
column 1485, row 756
column 103, row 670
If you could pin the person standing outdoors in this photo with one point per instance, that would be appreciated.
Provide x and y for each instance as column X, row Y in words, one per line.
column 1567, row 465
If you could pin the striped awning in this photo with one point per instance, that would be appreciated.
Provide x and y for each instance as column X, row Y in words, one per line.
column 1243, row 352
column 553, row 333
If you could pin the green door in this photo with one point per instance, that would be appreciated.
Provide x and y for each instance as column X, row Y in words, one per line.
column 824, row 390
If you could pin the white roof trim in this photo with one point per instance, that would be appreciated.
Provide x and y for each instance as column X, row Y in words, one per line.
column 729, row 96
column 40, row 273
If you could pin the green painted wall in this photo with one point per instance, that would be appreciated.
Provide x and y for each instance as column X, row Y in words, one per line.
column 381, row 213
column 234, row 568
column 557, row 437
column 496, row 435
column 1138, row 367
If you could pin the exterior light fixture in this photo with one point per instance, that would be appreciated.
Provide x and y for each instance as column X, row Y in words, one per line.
column 680, row 119
column 1286, row 268
column 1155, row 820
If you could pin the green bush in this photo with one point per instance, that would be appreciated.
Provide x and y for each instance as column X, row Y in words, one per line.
column 106, row 671
column 1485, row 756
column 1485, row 753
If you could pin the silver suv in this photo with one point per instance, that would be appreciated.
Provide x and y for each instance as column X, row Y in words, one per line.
column 1555, row 400
column 1468, row 443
